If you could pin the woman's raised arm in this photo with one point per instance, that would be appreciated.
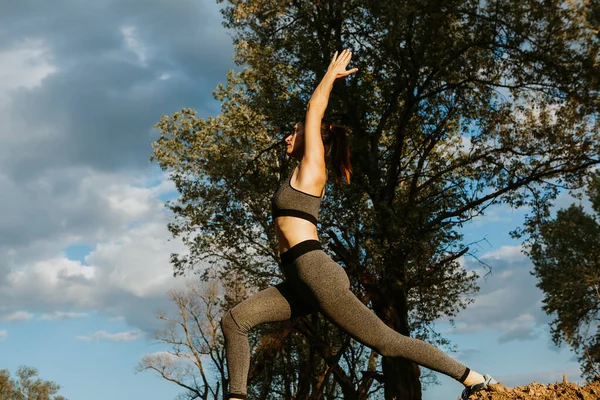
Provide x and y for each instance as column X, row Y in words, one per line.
column 313, row 144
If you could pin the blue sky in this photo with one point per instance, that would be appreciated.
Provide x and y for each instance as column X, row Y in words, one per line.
column 84, row 246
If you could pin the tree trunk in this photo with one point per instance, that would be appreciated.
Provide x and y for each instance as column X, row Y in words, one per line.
column 401, row 379
column 401, row 376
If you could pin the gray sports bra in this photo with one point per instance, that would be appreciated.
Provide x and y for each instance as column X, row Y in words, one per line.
column 293, row 202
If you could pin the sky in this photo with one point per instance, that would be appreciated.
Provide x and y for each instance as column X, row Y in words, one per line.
column 84, row 245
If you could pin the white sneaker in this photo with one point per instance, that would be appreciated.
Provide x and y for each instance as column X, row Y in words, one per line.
column 469, row 390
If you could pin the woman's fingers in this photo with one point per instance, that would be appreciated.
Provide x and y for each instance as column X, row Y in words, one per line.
column 348, row 55
column 346, row 58
column 343, row 55
column 340, row 62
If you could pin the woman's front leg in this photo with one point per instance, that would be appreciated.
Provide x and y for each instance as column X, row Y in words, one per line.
column 276, row 303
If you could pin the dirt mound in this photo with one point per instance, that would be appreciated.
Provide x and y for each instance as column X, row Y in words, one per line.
column 537, row 391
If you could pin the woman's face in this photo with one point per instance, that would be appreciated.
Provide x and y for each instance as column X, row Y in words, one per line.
column 295, row 142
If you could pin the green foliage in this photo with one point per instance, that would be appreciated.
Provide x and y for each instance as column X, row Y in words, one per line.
column 27, row 387
column 566, row 256
column 457, row 106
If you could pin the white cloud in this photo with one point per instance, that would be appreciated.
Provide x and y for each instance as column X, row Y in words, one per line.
column 508, row 302
column 495, row 213
column 62, row 315
column 129, row 202
column 520, row 328
column 134, row 44
column 17, row 316
column 58, row 281
column 128, row 272
column 113, row 337
column 25, row 65
column 137, row 262
column 511, row 254
column 3, row 335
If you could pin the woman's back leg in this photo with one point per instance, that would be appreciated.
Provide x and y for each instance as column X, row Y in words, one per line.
column 330, row 286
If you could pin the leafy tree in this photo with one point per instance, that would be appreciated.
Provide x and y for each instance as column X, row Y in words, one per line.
column 27, row 387
column 566, row 256
column 457, row 106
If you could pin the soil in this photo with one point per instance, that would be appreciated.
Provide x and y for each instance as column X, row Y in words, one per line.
column 537, row 391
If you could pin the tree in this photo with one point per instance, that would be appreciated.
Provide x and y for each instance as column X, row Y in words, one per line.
column 517, row 81
column 566, row 257
column 193, row 334
column 27, row 387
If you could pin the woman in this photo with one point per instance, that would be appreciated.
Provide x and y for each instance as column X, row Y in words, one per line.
column 313, row 281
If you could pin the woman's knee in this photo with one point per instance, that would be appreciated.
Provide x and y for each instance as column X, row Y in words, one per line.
column 229, row 324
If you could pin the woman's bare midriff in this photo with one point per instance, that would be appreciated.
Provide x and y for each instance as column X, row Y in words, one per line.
column 292, row 230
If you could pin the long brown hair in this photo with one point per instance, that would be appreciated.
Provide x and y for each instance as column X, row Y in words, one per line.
column 335, row 141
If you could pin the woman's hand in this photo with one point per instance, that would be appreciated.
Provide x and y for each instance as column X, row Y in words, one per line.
column 318, row 102
column 337, row 66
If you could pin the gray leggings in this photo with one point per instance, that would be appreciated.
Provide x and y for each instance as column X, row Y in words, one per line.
column 314, row 282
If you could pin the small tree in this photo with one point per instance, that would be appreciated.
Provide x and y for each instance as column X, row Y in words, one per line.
column 27, row 386
column 194, row 333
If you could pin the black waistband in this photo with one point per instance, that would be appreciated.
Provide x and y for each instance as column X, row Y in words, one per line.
column 277, row 212
column 297, row 250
